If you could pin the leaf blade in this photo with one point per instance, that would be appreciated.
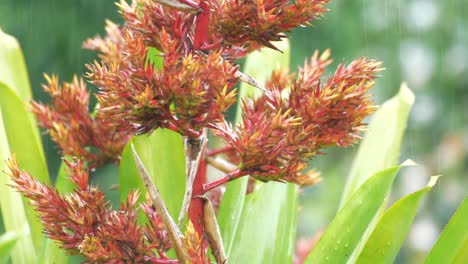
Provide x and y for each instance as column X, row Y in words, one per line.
column 7, row 242
column 11, row 201
column 162, row 153
column 380, row 147
column 452, row 245
column 391, row 230
column 337, row 245
column 259, row 65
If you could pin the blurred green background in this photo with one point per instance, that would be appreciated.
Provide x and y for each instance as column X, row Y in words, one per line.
column 422, row 42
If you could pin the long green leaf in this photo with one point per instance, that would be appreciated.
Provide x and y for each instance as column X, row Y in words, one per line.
column 259, row 65
column 51, row 253
column 13, row 211
column 267, row 230
column 340, row 239
column 391, row 230
column 452, row 246
column 20, row 125
column 7, row 242
column 14, row 74
column 13, row 68
column 163, row 156
column 380, row 148
column 21, row 140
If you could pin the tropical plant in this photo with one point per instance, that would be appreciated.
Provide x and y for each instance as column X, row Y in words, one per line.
column 166, row 79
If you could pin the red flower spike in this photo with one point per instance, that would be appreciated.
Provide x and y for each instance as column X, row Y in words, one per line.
column 84, row 223
column 279, row 133
column 72, row 127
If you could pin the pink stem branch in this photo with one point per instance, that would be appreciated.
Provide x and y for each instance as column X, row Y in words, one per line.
column 229, row 177
column 219, row 151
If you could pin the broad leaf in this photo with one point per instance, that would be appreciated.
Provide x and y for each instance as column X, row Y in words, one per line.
column 162, row 154
column 20, row 125
column 391, row 230
column 259, row 65
column 380, row 148
column 342, row 236
column 267, row 230
column 7, row 241
column 13, row 211
column 452, row 246
column 13, row 68
column 14, row 74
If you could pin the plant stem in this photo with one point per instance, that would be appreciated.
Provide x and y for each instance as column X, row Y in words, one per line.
column 219, row 151
column 201, row 26
column 196, row 213
column 229, row 177
column 221, row 164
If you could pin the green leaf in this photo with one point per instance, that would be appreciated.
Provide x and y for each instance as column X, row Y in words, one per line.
column 51, row 253
column 13, row 68
column 452, row 246
column 22, row 133
column 21, row 141
column 14, row 74
column 258, row 65
column 391, row 230
column 162, row 154
column 380, row 148
column 7, row 242
column 267, row 230
column 340, row 239
column 13, row 211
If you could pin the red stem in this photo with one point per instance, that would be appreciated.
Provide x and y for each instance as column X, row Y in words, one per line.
column 219, row 151
column 201, row 26
column 229, row 177
column 164, row 261
column 195, row 212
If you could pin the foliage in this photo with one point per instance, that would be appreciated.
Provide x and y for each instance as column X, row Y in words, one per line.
column 188, row 90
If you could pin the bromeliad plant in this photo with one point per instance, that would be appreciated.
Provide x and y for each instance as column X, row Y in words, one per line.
column 170, row 71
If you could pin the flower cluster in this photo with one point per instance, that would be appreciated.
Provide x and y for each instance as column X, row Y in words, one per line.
column 166, row 68
column 85, row 225
column 253, row 24
column 193, row 84
column 289, row 125
column 74, row 128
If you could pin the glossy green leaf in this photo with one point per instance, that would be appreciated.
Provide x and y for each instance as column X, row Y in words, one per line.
column 22, row 133
column 7, row 242
column 21, row 141
column 259, row 65
column 51, row 253
column 162, row 154
column 380, row 148
column 267, row 230
column 13, row 211
column 19, row 130
column 14, row 74
column 13, row 68
column 342, row 236
column 391, row 230
column 452, row 246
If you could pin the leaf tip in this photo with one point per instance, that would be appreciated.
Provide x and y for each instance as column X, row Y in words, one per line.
column 406, row 93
